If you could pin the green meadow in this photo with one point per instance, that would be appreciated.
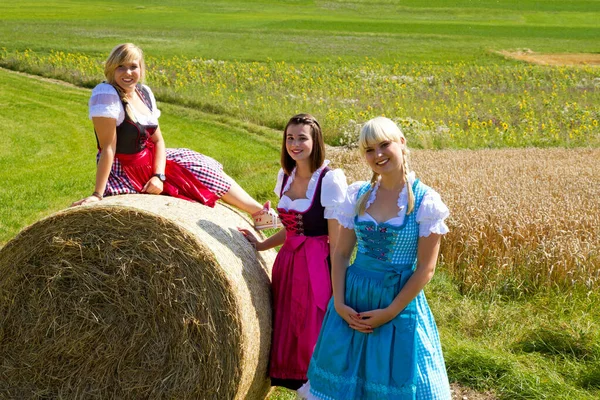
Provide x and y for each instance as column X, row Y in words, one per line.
column 304, row 31
column 228, row 74
column 47, row 148
column 436, row 69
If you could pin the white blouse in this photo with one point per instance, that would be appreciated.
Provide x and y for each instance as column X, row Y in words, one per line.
column 430, row 215
column 105, row 102
column 333, row 191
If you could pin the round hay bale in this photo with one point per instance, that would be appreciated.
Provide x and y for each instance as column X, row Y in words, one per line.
column 137, row 296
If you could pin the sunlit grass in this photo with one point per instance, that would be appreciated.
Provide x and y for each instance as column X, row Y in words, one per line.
column 304, row 31
column 454, row 105
column 529, row 339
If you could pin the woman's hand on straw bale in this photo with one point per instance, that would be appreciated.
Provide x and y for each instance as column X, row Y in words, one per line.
column 153, row 186
column 352, row 318
column 251, row 238
column 86, row 200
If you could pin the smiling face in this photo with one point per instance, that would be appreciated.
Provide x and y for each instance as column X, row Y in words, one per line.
column 385, row 157
column 127, row 75
column 125, row 66
column 383, row 145
column 299, row 142
column 305, row 143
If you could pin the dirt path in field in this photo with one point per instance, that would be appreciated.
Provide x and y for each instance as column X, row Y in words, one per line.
column 41, row 78
column 553, row 59
column 463, row 393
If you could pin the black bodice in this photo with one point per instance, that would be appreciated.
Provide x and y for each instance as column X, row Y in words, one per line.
column 132, row 136
column 311, row 222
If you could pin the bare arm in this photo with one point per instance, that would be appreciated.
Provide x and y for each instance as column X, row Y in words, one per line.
column 106, row 131
column 333, row 227
column 427, row 254
column 339, row 263
column 270, row 242
column 155, row 185
column 340, row 259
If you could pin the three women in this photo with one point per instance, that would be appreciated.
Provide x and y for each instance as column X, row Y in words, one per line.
column 378, row 337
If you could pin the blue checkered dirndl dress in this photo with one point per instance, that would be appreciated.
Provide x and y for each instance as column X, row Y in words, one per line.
column 400, row 360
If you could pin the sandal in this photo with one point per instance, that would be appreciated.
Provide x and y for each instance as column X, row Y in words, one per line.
column 266, row 218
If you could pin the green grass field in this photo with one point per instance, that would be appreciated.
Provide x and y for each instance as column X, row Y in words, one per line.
column 305, row 31
column 47, row 148
column 220, row 70
column 435, row 68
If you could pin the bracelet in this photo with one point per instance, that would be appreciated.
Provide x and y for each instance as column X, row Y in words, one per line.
column 98, row 195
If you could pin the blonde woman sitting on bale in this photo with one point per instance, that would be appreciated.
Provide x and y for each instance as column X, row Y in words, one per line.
column 132, row 157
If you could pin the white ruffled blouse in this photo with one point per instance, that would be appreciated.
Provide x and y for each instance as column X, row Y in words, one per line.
column 333, row 191
column 430, row 215
column 105, row 102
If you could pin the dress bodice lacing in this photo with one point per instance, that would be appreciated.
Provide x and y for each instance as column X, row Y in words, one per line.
column 310, row 222
column 396, row 244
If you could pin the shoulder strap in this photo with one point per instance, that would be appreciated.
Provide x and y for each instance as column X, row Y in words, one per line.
column 323, row 173
column 283, row 183
column 320, row 184
column 363, row 189
column 118, row 90
column 145, row 96
column 419, row 190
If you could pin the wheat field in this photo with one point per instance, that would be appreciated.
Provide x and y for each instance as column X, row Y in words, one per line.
column 521, row 220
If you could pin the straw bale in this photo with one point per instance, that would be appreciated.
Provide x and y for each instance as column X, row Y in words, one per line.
column 137, row 296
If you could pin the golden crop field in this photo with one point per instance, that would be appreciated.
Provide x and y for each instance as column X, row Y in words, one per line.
column 520, row 220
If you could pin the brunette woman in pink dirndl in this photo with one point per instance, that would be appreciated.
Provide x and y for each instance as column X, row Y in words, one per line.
column 132, row 157
column 309, row 192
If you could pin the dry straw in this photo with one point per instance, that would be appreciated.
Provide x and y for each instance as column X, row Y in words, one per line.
column 521, row 219
column 135, row 297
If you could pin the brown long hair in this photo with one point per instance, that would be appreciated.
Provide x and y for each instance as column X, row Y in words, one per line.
column 317, row 155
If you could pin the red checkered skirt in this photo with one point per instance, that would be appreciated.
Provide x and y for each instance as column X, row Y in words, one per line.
column 190, row 175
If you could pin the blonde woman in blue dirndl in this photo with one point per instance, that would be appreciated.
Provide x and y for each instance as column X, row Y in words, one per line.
column 379, row 339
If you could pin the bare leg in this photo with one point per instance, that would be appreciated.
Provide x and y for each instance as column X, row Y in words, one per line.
column 238, row 197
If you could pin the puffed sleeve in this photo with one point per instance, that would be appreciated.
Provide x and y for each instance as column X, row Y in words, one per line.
column 105, row 102
column 277, row 189
column 431, row 215
column 155, row 110
column 346, row 212
column 333, row 191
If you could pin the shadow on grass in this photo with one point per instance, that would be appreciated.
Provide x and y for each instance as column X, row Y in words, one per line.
column 476, row 368
column 484, row 370
column 590, row 378
column 559, row 341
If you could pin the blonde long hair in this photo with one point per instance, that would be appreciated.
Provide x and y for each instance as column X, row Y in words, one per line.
column 123, row 54
column 374, row 131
